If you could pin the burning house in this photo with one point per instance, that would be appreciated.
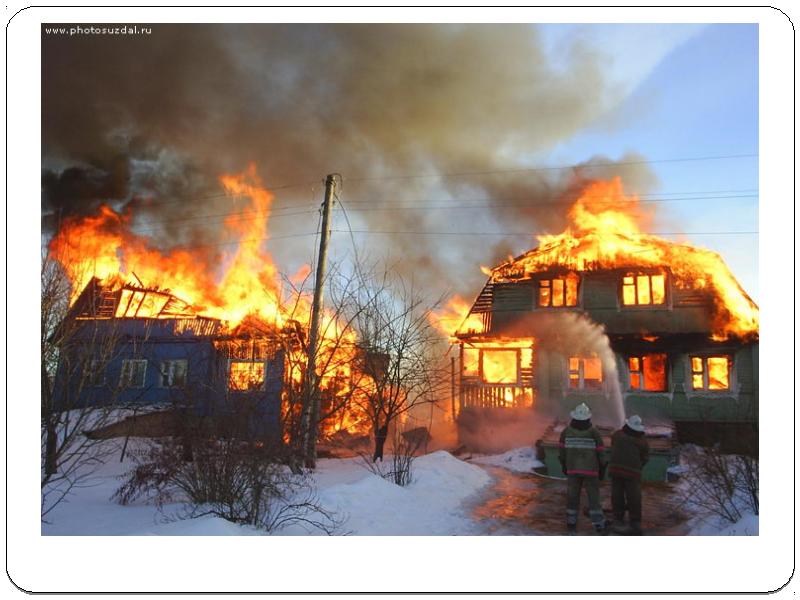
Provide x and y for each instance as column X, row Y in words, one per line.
column 133, row 346
column 606, row 314
column 158, row 328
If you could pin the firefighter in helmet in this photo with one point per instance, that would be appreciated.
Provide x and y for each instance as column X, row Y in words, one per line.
column 581, row 456
column 629, row 453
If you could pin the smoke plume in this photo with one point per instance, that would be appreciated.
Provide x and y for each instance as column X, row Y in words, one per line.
column 413, row 116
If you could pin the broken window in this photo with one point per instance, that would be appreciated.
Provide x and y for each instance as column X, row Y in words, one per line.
column 643, row 289
column 132, row 373
column 469, row 362
column 173, row 373
column 526, row 358
column 711, row 372
column 648, row 372
column 500, row 366
column 94, row 372
column 585, row 373
column 246, row 375
column 559, row 291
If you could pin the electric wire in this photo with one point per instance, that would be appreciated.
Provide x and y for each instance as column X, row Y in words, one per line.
column 247, row 215
column 554, row 168
column 510, row 233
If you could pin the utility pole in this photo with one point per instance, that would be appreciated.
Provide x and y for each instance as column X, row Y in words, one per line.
column 453, row 386
column 311, row 399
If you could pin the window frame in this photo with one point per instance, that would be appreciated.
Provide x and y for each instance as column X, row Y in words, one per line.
column 517, row 358
column 124, row 374
column 258, row 361
column 581, row 372
column 91, row 369
column 162, row 374
column 640, row 372
column 551, row 279
column 636, row 275
column 705, row 373
column 478, row 362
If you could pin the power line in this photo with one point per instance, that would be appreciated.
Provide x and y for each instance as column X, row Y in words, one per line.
column 711, row 194
column 503, row 233
column 234, row 242
column 453, row 206
column 271, row 214
column 559, row 168
column 150, row 202
column 244, row 218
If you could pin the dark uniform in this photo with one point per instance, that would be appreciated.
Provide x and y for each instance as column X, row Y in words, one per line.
column 581, row 455
column 629, row 453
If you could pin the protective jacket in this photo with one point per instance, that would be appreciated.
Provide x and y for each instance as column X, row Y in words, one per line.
column 629, row 453
column 581, row 449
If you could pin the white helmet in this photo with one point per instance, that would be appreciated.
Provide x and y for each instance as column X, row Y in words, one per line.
column 581, row 412
column 635, row 423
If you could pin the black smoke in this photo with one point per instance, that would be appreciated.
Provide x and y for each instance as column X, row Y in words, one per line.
column 155, row 119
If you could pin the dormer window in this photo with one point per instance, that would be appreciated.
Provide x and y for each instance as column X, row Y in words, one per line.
column 642, row 289
column 558, row 291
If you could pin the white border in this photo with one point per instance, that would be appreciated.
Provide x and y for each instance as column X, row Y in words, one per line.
column 757, row 564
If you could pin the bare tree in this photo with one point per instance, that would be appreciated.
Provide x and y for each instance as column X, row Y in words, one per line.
column 75, row 395
column 400, row 365
column 336, row 349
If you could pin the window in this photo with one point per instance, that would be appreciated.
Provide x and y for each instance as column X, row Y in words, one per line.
column 173, row 373
column 132, row 373
column 648, row 372
column 585, row 373
column 94, row 372
column 469, row 362
column 246, row 375
column 711, row 372
column 500, row 366
column 642, row 289
column 559, row 291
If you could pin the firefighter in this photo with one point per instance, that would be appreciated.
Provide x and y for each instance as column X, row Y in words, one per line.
column 581, row 456
column 629, row 453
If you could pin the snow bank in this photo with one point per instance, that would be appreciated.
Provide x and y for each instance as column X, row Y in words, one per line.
column 430, row 505
column 747, row 525
column 368, row 504
column 521, row 460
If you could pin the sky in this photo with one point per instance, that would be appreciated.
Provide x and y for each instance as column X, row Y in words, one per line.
column 692, row 91
column 440, row 133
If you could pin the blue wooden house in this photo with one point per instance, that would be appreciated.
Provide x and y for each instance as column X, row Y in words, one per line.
column 134, row 346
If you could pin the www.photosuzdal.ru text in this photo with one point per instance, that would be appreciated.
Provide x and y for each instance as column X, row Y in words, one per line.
column 92, row 30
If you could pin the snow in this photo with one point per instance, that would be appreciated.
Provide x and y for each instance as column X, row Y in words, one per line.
column 520, row 460
column 436, row 502
column 747, row 525
column 366, row 503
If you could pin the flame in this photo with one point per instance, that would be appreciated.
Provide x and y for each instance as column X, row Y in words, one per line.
column 247, row 285
column 455, row 316
column 103, row 246
column 605, row 232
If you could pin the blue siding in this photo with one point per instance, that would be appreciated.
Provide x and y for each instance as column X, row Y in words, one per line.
column 206, row 387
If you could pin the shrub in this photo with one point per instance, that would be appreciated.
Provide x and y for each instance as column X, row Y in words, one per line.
column 242, row 482
column 721, row 484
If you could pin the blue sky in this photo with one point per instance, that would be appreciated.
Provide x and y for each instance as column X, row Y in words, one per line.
column 688, row 91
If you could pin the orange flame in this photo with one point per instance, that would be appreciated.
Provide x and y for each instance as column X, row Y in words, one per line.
column 103, row 246
column 455, row 317
column 605, row 232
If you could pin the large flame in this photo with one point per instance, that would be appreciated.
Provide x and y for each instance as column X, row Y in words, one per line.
column 241, row 284
column 605, row 232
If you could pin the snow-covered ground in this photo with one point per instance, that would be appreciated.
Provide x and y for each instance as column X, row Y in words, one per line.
column 365, row 503
column 520, row 460
column 435, row 503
